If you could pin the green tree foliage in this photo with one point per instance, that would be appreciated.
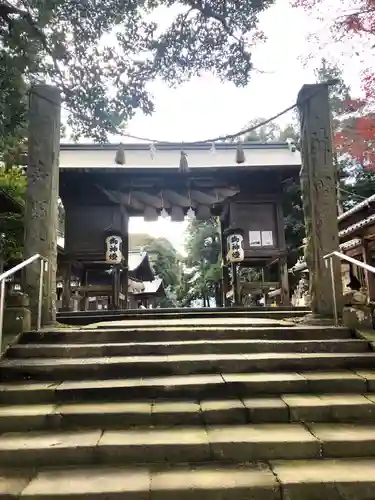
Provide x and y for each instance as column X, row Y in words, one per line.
column 271, row 132
column 12, row 181
column 359, row 184
column 202, row 275
column 356, row 181
column 13, row 104
column 103, row 53
column 164, row 260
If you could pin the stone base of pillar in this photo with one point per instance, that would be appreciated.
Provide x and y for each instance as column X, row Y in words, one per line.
column 357, row 316
column 17, row 317
column 316, row 320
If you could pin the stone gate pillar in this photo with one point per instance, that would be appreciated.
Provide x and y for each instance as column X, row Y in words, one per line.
column 41, row 215
column 318, row 185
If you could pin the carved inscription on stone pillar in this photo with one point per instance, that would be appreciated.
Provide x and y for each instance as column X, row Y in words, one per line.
column 41, row 216
column 318, row 184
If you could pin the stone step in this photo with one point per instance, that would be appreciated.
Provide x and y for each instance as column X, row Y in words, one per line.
column 351, row 479
column 175, row 333
column 192, row 387
column 148, row 482
column 196, row 444
column 322, row 479
column 121, row 415
column 81, row 318
column 45, row 350
column 123, row 366
column 183, row 312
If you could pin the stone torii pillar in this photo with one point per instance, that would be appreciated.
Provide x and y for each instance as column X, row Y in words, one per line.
column 41, row 215
column 319, row 194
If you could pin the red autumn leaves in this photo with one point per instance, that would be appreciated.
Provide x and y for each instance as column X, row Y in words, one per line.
column 354, row 133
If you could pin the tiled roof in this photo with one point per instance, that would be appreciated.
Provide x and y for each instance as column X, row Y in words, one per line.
column 302, row 266
column 9, row 204
column 358, row 225
column 152, row 286
column 350, row 244
column 135, row 260
column 363, row 204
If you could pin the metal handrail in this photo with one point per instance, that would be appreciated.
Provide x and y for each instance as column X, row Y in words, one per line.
column 329, row 261
column 11, row 272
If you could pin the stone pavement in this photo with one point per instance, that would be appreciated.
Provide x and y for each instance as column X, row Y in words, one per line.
column 188, row 410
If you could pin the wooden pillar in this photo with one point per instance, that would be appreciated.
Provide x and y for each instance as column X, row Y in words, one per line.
column 41, row 215
column 318, row 184
column 116, row 288
column 370, row 279
column 236, row 291
column 225, row 284
column 125, row 254
column 284, row 281
column 66, row 294
column 83, row 300
column 224, row 269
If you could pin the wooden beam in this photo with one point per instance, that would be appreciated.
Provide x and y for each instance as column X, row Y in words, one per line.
column 66, row 293
column 180, row 198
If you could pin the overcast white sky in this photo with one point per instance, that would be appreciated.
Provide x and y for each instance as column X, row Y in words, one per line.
column 204, row 107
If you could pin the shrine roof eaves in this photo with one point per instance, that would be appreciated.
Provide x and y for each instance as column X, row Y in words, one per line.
column 9, row 204
column 358, row 225
column 357, row 208
column 302, row 266
column 152, row 286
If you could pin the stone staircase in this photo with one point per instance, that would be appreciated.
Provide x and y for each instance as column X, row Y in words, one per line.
column 181, row 412
column 268, row 312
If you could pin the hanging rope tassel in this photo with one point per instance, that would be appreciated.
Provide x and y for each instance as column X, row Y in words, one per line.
column 240, row 155
column 184, row 166
column 120, row 155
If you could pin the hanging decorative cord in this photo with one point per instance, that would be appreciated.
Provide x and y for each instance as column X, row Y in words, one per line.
column 163, row 213
column 359, row 196
column 152, row 150
column 191, row 212
column 226, row 137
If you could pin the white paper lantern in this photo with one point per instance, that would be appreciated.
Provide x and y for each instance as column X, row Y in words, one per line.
column 113, row 252
column 236, row 252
